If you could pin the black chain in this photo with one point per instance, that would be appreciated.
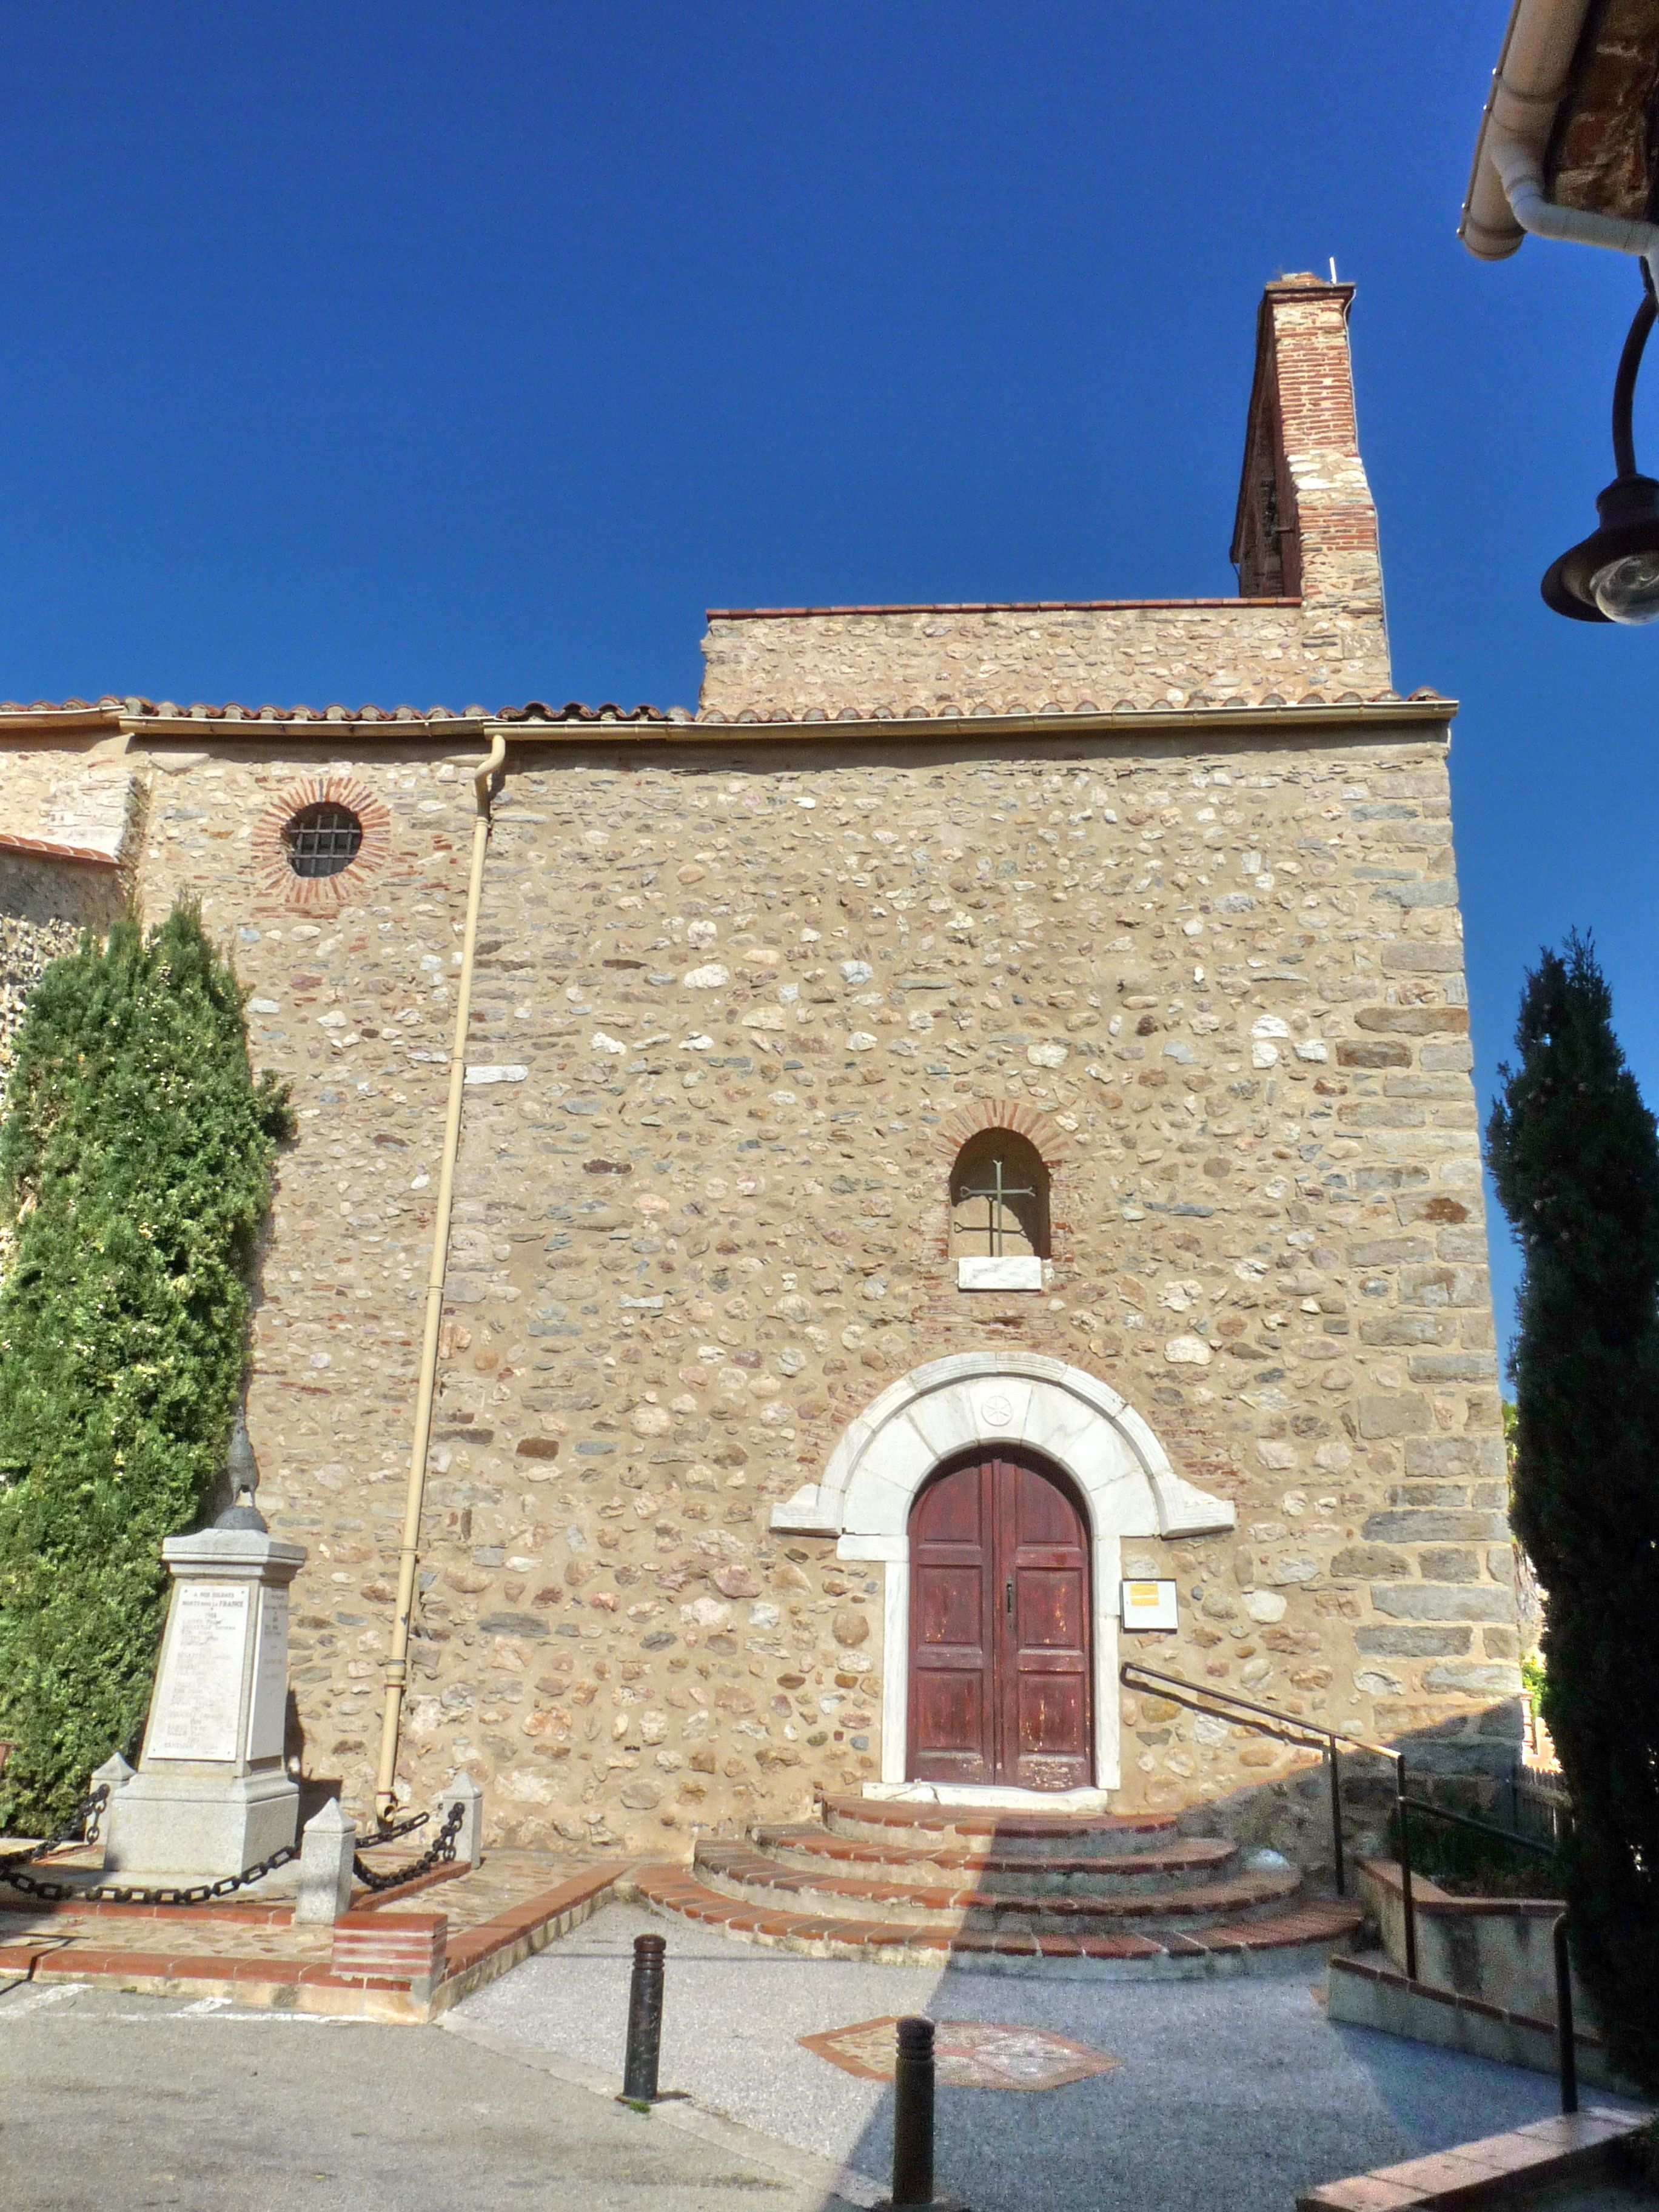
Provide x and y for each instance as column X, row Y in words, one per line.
column 110, row 1892
column 82, row 1827
column 389, row 1831
column 441, row 1852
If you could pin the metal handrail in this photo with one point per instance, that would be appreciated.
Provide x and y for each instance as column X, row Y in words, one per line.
column 1252, row 1705
column 1311, row 1735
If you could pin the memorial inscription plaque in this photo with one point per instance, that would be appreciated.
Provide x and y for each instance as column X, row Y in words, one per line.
column 268, row 1716
column 199, row 1699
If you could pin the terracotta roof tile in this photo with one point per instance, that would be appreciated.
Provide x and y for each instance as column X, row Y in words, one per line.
column 536, row 711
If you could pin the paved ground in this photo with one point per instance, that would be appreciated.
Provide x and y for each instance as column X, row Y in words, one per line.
column 114, row 2101
column 1235, row 2093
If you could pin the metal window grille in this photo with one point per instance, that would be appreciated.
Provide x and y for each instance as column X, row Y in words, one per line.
column 321, row 839
column 1001, row 1218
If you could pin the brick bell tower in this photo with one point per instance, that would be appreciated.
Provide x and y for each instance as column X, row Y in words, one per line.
column 1306, row 525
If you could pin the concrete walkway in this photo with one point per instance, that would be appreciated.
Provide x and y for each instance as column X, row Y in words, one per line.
column 1237, row 2093
column 109, row 2099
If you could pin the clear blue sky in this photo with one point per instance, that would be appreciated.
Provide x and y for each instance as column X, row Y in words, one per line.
column 465, row 353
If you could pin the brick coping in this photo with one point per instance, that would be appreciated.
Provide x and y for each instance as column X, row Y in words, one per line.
column 985, row 607
column 1492, row 2171
column 289, row 1983
column 1429, row 1896
column 1389, row 1977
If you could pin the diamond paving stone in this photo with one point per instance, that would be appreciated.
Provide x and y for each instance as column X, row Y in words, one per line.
column 968, row 2054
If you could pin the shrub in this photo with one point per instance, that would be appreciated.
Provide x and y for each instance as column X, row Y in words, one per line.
column 136, row 1156
column 1575, row 1159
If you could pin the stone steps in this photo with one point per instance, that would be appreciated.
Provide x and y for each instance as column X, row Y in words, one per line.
column 1295, row 1941
column 737, row 1870
column 1012, row 1891
column 807, row 1847
column 979, row 1829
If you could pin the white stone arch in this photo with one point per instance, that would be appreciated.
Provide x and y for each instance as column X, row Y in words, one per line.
column 884, row 1457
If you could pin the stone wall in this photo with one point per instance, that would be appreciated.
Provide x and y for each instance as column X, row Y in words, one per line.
column 729, row 1000
column 894, row 661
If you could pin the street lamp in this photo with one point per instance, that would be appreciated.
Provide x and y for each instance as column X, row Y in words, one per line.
column 1614, row 574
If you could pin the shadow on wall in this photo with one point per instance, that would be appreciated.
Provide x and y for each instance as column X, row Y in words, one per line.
column 1465, row 1761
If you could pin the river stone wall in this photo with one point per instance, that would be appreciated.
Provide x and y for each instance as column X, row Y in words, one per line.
column 728, row 998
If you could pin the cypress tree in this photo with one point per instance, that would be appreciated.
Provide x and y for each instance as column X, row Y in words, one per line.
column 136, row 1162
column 1575, row 1159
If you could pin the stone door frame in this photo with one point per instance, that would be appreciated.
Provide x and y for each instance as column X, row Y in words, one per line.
column 882, row 1459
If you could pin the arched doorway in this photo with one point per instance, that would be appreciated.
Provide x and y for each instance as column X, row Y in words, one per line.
column 1000, row 1608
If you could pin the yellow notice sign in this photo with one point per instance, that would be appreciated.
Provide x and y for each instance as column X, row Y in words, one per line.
column 1149, row 1605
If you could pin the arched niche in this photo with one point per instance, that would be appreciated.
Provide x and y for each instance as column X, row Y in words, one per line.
column 883, row 1458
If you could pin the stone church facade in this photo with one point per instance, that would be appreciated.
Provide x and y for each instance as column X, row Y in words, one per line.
column 1028, row 1038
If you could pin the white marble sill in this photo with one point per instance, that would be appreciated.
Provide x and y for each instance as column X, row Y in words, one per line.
column 1012, row 1271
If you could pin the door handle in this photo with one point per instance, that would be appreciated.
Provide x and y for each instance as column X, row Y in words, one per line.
column 1008, row 1597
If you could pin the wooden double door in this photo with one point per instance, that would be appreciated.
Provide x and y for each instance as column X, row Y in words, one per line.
column 1000, row 1621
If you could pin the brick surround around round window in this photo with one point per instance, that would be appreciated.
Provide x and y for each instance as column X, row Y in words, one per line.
column 323, row 894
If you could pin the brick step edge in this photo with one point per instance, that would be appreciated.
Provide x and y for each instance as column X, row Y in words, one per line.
column 1182, row 1856
column 670, row 1889
column 847, row 1815
column 747, row 1872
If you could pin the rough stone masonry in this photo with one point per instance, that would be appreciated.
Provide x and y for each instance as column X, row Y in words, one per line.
column 1168, row 888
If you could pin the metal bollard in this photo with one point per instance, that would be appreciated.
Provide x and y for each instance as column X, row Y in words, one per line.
column 912, row 2124
column 644, row 2022
column 913, row 2114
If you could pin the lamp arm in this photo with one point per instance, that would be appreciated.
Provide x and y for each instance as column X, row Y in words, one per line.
column 1624, row 385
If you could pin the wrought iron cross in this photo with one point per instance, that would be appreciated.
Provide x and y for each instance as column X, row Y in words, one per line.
column 996, row 1194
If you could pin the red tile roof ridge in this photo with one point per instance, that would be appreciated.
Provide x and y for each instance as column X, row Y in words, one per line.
column 535, row 710
column 49, row 849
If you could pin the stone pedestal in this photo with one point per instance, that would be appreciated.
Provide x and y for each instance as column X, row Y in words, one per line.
column 211, row 1796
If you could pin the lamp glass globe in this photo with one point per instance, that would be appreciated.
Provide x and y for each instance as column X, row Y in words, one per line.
column 1627, row 590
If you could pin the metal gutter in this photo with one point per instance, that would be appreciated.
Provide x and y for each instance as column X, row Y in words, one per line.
column 1206, row 721
column 379, row 736
column 1533, row 75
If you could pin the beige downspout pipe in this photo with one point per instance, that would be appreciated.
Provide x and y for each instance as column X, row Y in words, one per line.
column 397, row 1668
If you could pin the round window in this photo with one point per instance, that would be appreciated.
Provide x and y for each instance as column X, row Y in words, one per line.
column 321, row 839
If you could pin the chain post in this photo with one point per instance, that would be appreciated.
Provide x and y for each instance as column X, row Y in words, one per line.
column 1567, row 2038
